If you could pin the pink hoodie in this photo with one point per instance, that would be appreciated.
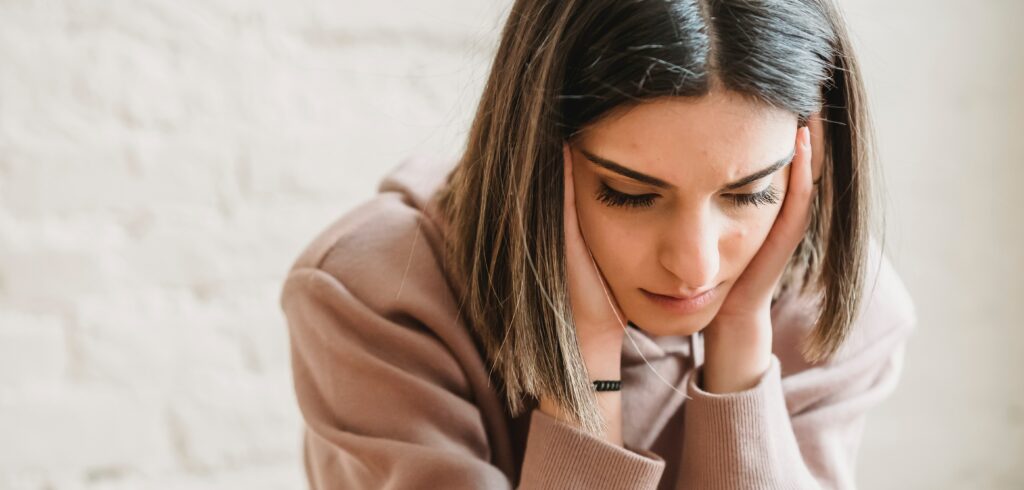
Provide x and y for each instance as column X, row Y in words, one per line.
column 395, row 391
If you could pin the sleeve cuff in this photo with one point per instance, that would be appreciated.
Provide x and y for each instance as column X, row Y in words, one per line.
column 742, row 439
column 559, row 455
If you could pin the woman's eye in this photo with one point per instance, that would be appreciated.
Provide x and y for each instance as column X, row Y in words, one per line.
column 766, row 197
column 612, row 197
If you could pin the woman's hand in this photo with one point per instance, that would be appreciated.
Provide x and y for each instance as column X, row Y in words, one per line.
column 596, row 313
column 738, row 341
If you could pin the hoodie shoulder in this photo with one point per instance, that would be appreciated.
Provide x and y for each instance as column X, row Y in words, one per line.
column 388, row 243
column 407, row 189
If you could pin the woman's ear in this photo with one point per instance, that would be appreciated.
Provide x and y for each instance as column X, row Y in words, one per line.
column 817, row 144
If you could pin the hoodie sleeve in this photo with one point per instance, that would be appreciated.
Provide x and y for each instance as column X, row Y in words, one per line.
column 386, row 404
column 800, row 431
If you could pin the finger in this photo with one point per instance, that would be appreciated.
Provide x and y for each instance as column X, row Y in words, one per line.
column 794, row 217
column 801, row 186
column 572, row 234
column 576, row 250
column 792, row 221
column 573, row 231
column 817, row 129
column 579, row 258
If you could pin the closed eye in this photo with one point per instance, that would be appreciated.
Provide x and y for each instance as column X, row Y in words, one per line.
column 611, row 197
column 770, row 195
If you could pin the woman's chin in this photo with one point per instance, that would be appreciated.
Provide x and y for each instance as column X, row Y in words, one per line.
column 661, row 325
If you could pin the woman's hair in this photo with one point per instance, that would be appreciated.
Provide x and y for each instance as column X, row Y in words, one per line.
column 562, row 65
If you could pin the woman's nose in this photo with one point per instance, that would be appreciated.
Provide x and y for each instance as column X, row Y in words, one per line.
column 690, row 252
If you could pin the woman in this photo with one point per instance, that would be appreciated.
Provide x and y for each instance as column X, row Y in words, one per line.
column 651, row 268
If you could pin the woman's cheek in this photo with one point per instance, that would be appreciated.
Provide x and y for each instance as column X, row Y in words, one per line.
column 597, row 228
column 613, row 238
column 743, row 236
column 759, row 230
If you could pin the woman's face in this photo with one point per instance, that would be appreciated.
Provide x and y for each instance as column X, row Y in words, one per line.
column 657, row 203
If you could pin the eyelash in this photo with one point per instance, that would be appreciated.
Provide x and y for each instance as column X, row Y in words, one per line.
column 612, row 197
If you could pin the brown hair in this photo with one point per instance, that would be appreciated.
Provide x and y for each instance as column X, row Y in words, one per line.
column 561, row 66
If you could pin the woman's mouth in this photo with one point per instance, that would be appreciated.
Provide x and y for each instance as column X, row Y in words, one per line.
column 679, row 305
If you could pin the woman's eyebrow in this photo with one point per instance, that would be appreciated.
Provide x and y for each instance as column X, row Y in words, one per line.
column 770, row 169
column 656, row 182
column 626, row 171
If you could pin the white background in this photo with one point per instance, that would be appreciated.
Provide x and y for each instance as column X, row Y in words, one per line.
column 161, row 164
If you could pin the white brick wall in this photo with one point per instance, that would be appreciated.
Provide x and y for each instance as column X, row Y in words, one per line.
column 162, row 162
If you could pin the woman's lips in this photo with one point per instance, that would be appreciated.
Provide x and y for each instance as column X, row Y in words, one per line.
column 681, row 305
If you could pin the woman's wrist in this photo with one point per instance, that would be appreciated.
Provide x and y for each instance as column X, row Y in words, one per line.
column 736, row 356
column 603, row 359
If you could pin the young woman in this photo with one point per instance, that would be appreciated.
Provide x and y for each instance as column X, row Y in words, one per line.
column 650, row 268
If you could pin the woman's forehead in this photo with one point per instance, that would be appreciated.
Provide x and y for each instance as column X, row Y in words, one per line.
column 714, row 138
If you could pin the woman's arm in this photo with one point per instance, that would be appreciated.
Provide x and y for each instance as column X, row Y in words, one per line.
column 801, row 430
column 388, row 399
column 599, row 323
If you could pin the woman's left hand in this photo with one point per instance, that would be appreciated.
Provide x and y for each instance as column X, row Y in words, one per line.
column 738, row 341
